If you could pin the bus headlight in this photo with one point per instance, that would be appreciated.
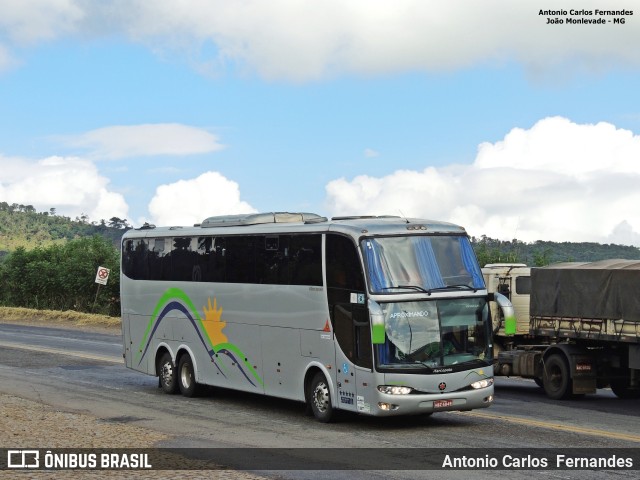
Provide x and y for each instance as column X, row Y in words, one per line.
column 394, row 390
column 484, row 383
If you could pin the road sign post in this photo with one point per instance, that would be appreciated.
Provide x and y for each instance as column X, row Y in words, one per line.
column 102, row 276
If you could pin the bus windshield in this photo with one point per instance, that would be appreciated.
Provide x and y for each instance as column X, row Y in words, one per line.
column 434, row 333
column 421, row 263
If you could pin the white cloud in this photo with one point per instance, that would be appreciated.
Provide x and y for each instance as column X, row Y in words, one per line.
column 7, row 61
column 26, row 22
column 624, row 234
column 557, row 181
column 186, row 202
column 70, row 185
column 371, row 153
column 307, row 40
column 122, row 141
column 302, row 40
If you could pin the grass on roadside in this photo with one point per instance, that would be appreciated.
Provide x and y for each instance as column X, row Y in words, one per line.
column 52, row 317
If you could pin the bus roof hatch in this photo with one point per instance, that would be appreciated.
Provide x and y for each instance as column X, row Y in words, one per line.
column 258, row 218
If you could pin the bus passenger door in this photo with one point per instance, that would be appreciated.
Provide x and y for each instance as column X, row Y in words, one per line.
column 350, row 320
column 353, row 357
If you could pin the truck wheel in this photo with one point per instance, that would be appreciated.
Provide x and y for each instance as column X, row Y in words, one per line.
column 556, row 381
column 319, row 399
column 622, row 389
column 187, row 377
column 168, row 374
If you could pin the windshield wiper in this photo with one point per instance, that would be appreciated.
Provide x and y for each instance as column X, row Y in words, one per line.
column 450, row 287
column 417, row 288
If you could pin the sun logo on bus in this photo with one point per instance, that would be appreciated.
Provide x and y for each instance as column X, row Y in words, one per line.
column 208, row 328
column 213, row 323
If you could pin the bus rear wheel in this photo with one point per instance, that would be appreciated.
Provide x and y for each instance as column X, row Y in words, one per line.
column 319, row 399
column 168, row 374
column 187, row 377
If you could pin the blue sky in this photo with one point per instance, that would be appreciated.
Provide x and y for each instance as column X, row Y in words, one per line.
column 477, row 113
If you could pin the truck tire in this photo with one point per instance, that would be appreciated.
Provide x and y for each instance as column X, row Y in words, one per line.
column 319, row 399
column 622, row 389
column 556, row 380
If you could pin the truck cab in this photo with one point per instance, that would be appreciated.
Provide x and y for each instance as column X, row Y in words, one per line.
column 513, row 280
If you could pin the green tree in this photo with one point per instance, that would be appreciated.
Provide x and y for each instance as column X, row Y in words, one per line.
column 542, row 258
column 62, row 277
column 489, row 250
column 115, row 222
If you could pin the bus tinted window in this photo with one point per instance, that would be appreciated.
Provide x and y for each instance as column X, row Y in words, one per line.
column 290, row 260
column 159, row 263
column 273, row 259
column 343, row 264
column 134, row 259
column 182, row 259
column 270, row 259
column 241, row 259
column 305, row 262
column 210, row 259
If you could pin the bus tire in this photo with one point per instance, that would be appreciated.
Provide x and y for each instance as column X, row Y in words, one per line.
column 167, row 374
column 556, row 381
column 319, row 399
column 187, row 377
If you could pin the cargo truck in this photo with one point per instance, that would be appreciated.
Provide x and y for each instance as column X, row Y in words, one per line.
column 576, row 326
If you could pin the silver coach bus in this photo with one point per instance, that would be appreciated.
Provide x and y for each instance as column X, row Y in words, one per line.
column 375, row 315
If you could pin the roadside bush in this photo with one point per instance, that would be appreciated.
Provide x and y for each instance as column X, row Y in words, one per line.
column 62, row 277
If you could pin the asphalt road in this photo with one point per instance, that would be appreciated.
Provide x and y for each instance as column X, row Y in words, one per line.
column 83, row 371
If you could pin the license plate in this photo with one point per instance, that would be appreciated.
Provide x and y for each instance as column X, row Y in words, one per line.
column 442, row 403
column 583, row 367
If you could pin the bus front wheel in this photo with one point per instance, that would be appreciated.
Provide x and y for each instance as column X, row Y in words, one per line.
column 319, row 398
column 187, row 376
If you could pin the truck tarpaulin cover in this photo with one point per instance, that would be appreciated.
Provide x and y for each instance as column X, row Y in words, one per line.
column 608, row 289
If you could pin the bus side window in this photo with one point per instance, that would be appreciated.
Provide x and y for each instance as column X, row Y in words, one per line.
column 211, row 259
column 289, row 259
column 158, row 264
column 343, row 264
column 272, row 258
column 183, row 259
column 240, row 253
column 134, row 259
column 127, row 258
column 305, row 264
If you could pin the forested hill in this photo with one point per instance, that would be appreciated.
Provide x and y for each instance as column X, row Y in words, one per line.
column 542, row 253
column 23, row 226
